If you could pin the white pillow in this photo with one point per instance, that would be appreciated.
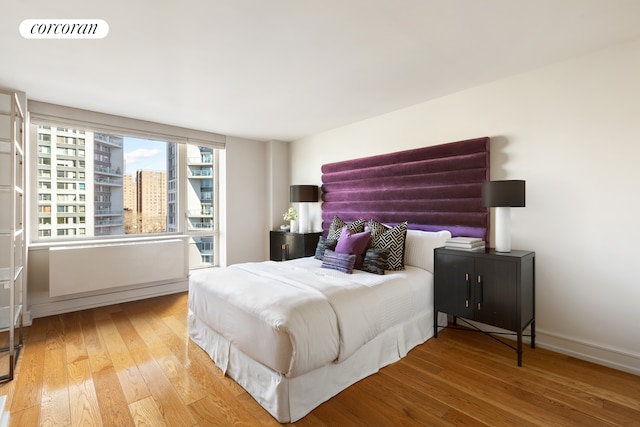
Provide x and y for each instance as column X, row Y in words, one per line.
column 419, row 247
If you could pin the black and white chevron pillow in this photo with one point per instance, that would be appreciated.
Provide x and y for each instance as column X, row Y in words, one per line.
column 335, row 228
column 392, row 238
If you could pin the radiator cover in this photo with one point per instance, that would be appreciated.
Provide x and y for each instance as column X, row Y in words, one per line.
column 95, row 267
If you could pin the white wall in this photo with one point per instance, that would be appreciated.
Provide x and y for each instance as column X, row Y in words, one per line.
column 278, row 180
column 246, row 209
column 571, row 131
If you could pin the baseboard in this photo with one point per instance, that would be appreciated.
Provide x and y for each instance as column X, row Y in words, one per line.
column 591, row 352
column 606, row 356
column 83, row 303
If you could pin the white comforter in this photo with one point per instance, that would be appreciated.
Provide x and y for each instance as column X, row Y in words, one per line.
column 296, row 316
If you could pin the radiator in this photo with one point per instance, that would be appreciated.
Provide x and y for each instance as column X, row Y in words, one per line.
column 88, row 268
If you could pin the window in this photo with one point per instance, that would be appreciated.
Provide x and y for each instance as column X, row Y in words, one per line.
column 115, row 156
column 66, row 232
column 202, row 164
column 98, row 176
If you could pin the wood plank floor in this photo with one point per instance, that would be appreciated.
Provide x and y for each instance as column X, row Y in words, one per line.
column 132, row 364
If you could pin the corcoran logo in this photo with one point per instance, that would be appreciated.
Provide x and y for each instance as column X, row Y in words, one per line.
column 64, row 29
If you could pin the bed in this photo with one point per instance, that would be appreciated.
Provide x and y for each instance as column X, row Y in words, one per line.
column 295, row 333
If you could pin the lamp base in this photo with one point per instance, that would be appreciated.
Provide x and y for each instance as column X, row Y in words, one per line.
column 303, row 215
column 503, row 229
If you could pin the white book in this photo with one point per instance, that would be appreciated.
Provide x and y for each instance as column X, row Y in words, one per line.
column 480, row 244
column 465, row 245
column 474, row 249
column 462, row 239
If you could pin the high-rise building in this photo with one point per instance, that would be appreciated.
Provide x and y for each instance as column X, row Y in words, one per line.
column 130, row 205
column 151, row 201
column 200, row 187
column 108, row 157
column 79, row 183
column 172, row 188
column 200, row 200
column 130, row 199
column 65, row 197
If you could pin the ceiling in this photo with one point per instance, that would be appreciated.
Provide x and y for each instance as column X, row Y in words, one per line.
column 285, row 69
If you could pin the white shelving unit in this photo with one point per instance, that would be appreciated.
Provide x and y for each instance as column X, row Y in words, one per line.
column 12, row 238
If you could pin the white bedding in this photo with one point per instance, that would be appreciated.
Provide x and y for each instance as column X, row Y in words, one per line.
column 272, row 359
column 295, row 317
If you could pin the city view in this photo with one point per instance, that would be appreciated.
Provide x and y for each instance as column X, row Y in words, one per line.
column 97, row 184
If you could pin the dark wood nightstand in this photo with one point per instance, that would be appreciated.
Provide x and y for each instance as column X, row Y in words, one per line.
column 285, row 245
column 493, row 288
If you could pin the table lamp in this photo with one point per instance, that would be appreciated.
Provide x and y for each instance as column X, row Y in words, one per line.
column 503, row 195
column 303, row 194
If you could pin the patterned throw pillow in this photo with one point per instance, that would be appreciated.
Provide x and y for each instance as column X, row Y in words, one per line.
column 324, row 244
column 375, row 260
column 337, row 224
column 391, row 238
column 340, row 262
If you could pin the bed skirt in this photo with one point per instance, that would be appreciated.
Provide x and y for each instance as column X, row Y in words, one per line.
column 290, row 399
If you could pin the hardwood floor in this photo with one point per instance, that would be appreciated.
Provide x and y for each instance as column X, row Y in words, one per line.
column 133, row 364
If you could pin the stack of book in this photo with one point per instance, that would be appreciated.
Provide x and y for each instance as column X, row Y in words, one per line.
column 466, row 244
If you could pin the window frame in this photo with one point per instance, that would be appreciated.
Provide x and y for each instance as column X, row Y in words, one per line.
column 61, row 116
column 194, row 233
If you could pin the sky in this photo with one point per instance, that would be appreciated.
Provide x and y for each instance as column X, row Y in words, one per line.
column 144, row 154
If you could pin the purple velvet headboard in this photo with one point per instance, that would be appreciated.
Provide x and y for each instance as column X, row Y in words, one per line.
column 433, row 188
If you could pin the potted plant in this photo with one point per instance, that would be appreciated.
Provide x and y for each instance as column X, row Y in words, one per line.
column 291, row 215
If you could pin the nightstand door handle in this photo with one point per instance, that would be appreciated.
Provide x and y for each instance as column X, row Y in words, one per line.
column 466, row 303
column 480, row 288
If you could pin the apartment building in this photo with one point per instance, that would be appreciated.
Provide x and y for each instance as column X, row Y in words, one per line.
column 108, row 159
column 65, row 197
column 151, row 200
column 78, row 196
column 200, row 203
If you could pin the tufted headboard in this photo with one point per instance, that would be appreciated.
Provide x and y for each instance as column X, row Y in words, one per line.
column 433, row 188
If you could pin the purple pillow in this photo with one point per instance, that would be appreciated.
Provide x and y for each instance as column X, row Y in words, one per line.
column 353, row 243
